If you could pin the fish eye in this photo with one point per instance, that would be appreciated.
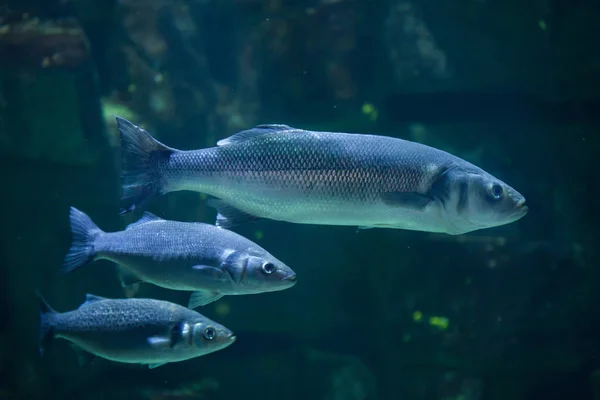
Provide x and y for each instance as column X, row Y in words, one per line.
column 268, row 268
column 496, row 191
column 210, row 333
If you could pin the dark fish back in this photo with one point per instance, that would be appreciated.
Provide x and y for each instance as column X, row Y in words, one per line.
column 166, row 240
column 115, row 316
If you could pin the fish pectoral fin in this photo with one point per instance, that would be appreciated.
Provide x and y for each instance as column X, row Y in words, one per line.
column 159, row 342
column 210, row 272
column 144, row 219
column 412, row 200
column 228, row 216
column 251, row 133
column 203, row 297
column 156, row 365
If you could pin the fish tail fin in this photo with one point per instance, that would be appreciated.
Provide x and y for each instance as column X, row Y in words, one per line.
column 141, row 160
column 46, row 327
column 84, row 232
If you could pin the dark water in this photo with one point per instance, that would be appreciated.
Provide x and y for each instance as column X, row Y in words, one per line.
column 503, row 313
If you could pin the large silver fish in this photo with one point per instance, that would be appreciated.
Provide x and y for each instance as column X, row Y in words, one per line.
column 210, row 261
column 139, row 331
column 288, row 174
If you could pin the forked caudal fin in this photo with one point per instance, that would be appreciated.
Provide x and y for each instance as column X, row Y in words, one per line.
column 84, row 231
column 141, row 159
column 46, row 327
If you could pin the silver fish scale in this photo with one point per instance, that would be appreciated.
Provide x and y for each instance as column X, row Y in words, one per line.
column 170, row 240
column 319, row 165
column 121, row 315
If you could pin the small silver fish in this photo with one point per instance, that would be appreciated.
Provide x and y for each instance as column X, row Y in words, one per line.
column 138, row 331
column 288, row 174
column 208, row 260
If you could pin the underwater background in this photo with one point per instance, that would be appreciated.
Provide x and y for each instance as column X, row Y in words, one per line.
column 506, row 313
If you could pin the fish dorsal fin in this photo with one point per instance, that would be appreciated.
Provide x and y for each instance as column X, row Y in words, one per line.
column 91, row 298
column 145, row 218
column 258, row 130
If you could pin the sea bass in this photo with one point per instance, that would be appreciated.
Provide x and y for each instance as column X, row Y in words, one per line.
column 288, row 174
column 139, row 331
column 208, row 260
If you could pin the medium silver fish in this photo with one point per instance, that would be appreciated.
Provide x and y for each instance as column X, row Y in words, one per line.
column 287, row 174
column 139, row 331
column 210, row 261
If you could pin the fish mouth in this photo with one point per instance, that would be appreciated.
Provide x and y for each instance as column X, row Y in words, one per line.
column 521, row 208
column 231, row 337
column 290, row 278
column 519, row 212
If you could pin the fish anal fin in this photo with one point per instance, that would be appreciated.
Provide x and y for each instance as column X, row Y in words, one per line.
column 155, row 365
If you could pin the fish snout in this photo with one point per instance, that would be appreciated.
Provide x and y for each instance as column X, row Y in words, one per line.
column 290, row 277
column 227, row 336
column 521, row 206
column 520, row 209
column 518, row 199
